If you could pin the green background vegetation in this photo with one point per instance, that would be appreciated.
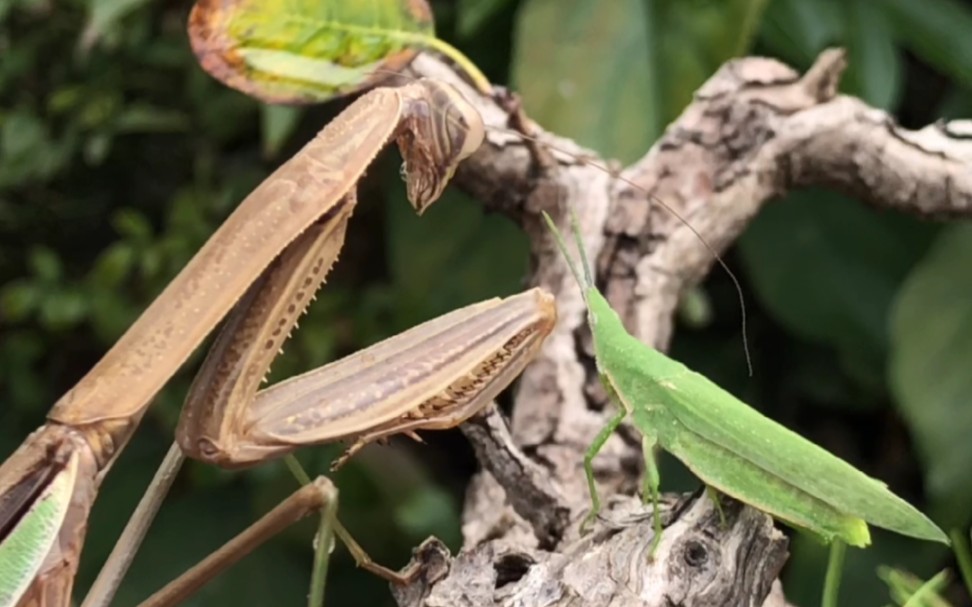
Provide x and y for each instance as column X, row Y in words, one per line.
column 118, row 156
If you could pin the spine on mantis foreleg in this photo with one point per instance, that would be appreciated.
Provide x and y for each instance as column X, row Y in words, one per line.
column 728, row 444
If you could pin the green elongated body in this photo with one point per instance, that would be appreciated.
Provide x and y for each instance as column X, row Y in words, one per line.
column 737, row 450
column 731, row 446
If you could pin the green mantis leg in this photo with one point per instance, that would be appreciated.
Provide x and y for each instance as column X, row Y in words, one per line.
column 589, row 455
column 650, row 488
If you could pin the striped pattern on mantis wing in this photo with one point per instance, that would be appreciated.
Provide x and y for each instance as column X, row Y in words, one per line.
column 29, row 538
column 731, row 446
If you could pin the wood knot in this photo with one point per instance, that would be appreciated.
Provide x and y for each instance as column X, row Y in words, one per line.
column 695, row 554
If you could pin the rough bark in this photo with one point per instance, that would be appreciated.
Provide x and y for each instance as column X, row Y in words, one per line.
column 754, row 131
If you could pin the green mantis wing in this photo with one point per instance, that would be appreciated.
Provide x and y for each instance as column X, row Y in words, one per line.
column 23, row 549
column 741, row 452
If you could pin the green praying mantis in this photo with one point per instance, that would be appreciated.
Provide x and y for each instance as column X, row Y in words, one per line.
column 262, row 267
column 729, row 445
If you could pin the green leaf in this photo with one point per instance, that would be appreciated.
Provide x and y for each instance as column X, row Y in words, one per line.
column 612, row 74
column 109, row 314
column 931, row 335
column 473, row 14
column 874, row 67
column 112, row 266
column 26, row 148
column 451, row 256
column 568, row 53
column 859, row 586
column 146, row 118
column 424, row 512
column 96, row 148
column 306, row 51
column 18, row 299
column 132, row 224
column 799, row 29
column 23, row 133
column 104, row 16
column 694, row 42
column 902, row 585
column 45, row 264
column 827, row 269
column 938, row 32
column 62, row 310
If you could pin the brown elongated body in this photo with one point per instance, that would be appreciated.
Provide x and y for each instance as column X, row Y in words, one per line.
column 285, row 236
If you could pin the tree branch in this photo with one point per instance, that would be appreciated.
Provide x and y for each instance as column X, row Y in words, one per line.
column 754, row 131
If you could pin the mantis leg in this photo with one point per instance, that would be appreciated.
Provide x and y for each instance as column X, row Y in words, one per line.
column 225, row 423
column 589, row 456
column 317, row 496
column 309, row 198
column 358, row 553
column 432, row 376
column 105, row 586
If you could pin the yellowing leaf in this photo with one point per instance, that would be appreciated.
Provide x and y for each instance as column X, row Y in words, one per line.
column 306, row 51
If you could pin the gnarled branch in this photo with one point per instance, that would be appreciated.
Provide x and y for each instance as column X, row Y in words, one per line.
column 754, row 131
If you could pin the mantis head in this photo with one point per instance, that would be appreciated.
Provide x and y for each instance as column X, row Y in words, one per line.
column 441, row 130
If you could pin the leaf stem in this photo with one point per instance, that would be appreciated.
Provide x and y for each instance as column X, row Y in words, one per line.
column 476, row 76
column 960, row 544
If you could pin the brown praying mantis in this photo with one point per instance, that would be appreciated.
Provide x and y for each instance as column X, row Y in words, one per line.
column 262, row 267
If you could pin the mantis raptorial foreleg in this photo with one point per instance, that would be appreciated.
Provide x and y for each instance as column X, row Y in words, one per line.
column 430, row 377
column 433, row 376
column 307, row 201
column 454, row 365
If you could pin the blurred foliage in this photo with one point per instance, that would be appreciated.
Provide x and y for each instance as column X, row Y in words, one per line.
column 903, row 588
column 118, row 156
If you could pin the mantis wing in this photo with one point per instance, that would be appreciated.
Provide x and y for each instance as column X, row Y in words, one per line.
column 27, row 542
